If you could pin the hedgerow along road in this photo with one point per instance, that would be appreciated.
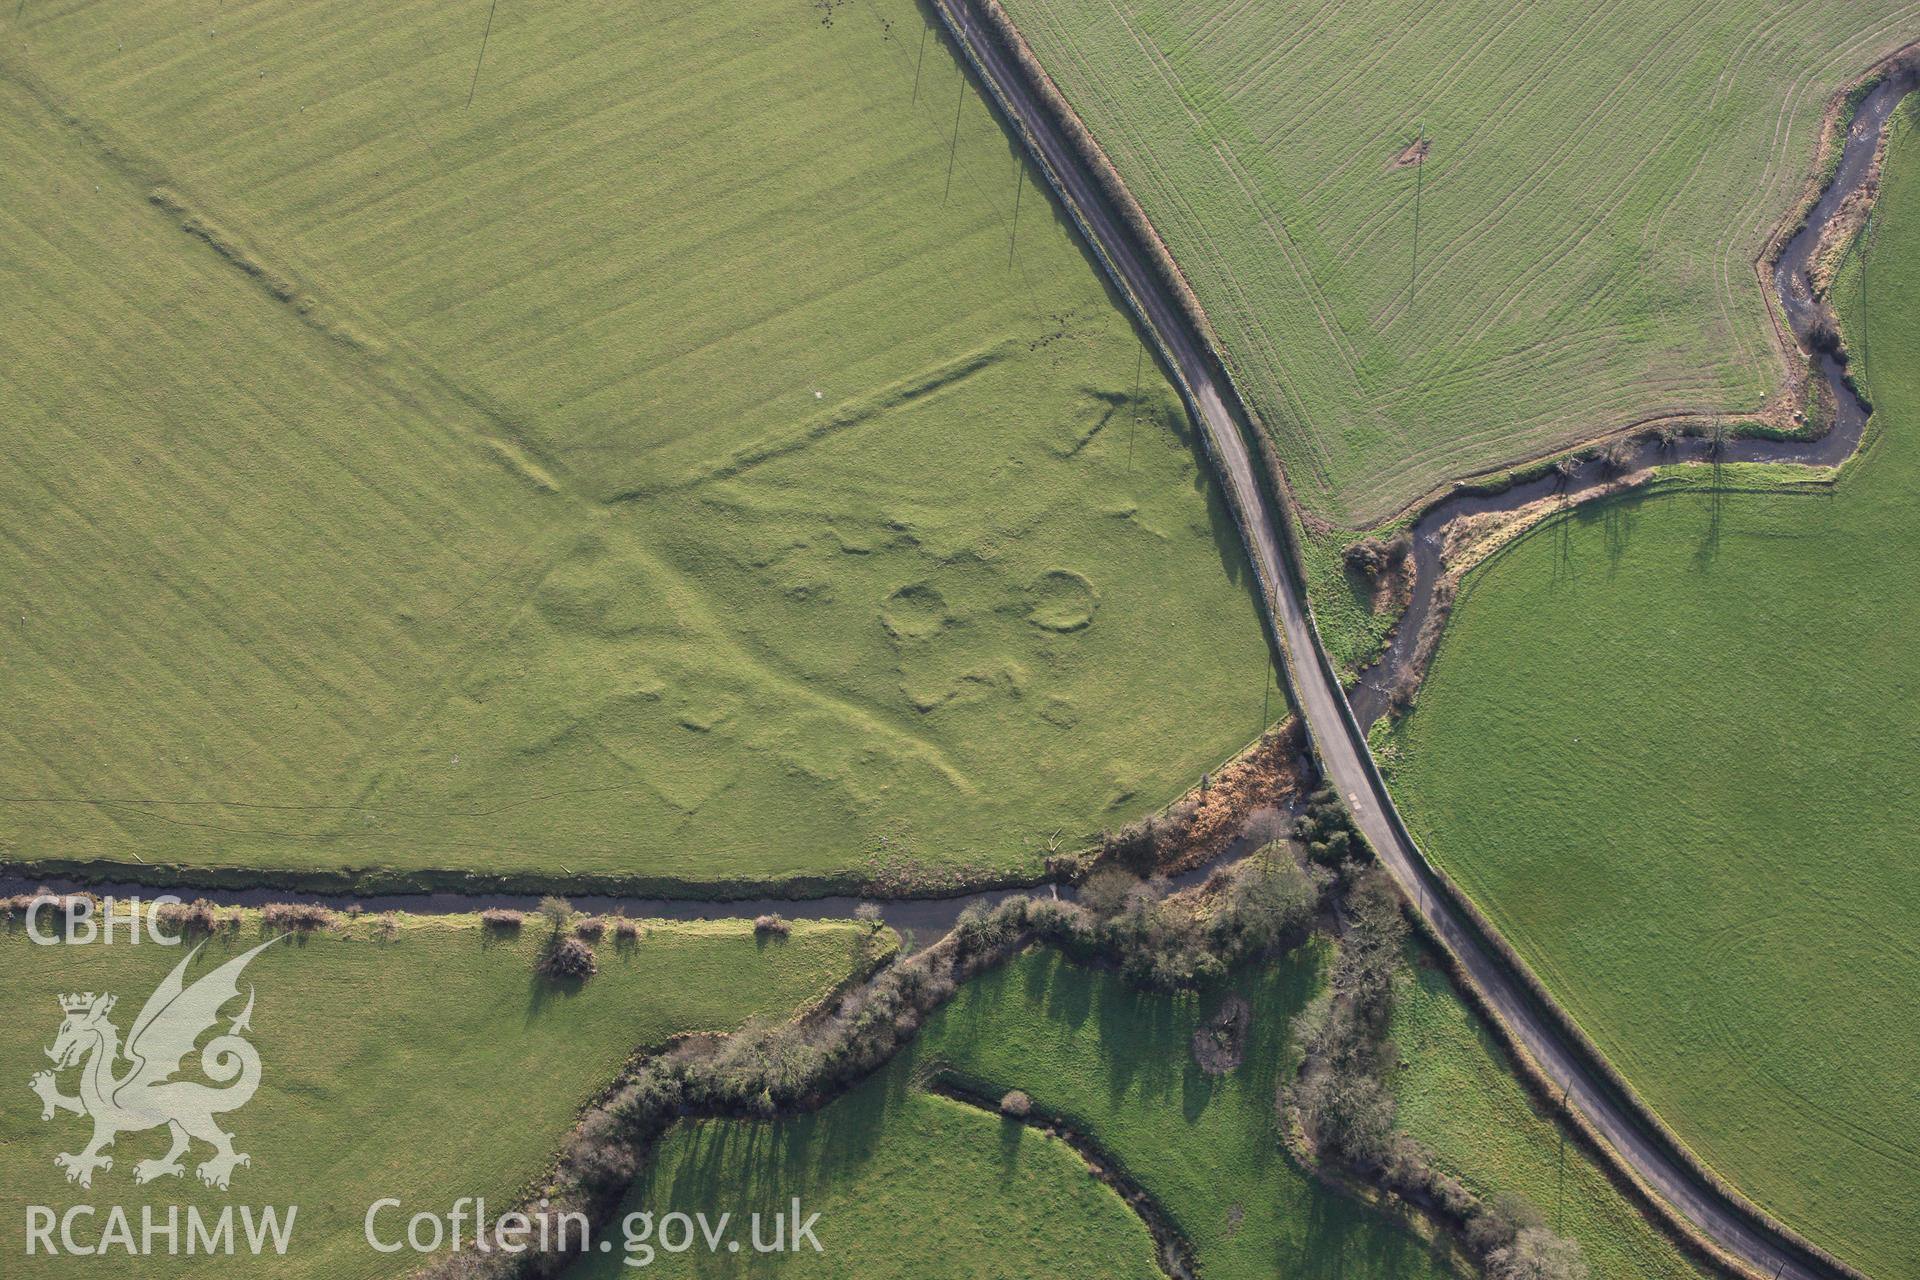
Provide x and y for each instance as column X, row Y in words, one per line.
column 1576, row 1069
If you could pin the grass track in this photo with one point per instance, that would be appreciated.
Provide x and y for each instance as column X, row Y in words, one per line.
column 1598, row 184
column 1666, row 745
column 677, row 464
column 427, row 1067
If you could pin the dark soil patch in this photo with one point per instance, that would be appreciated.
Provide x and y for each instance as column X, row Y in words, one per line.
column 1221, row 1041
column 1411, row 156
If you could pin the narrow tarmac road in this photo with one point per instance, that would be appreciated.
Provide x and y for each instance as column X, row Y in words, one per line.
column 1336, row 734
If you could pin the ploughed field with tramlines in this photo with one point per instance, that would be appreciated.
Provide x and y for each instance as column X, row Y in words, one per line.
column 1435, row 239
column 689, row 461
column 702, row 458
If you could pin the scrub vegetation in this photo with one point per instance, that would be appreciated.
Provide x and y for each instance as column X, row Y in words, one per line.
column 1666, row 744
column 701, row 457
column 413, row 1057
column 1280, row 1067
column 907, row 1184
column 1436, row 239
column 1457, row 1095
column 1116, row 1064
column 912, row 1183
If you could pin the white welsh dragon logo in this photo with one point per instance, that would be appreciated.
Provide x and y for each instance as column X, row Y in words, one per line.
column 145, row 1096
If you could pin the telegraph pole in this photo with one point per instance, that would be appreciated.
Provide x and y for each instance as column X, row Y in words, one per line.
column 1419, row 174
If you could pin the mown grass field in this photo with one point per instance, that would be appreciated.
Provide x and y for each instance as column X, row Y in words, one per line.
column 1458, row 1096
column 906, row 1183
column 428, row 1066
column 678, row 461
column 1667, row 745
column 1575, row 252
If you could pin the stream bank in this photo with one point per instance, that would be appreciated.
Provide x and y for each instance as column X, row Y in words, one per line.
column 1808, row 319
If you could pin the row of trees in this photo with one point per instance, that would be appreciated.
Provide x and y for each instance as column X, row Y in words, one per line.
column 1154, row 938
column 1342, row 1098
column 1150, row 936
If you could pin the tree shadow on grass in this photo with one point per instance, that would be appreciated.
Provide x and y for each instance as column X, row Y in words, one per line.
column 544, row 991
column 1708, row 549
column 745, row 1166
column 1616, row 529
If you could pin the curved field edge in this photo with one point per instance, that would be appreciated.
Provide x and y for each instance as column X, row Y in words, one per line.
column 1755, row 647
column 1117, row 1065
column 785, row 594
column 906, row 1182
column 1741, row 1225
column 411, row 1057
column 1561, row 129
column 1358, row 632
column 1106, row 1062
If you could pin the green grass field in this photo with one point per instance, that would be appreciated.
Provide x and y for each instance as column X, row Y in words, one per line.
column 1458, row 1096
column 428, row 1066
column 926, row 1186
column 679, row 461
column 906, row 1183
column 1667, row 745
column 1575, row 253
column 1117, row 1064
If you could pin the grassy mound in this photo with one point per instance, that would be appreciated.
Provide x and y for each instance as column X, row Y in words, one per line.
column 705, row 455
column 1667, row 745
column 425, row 1063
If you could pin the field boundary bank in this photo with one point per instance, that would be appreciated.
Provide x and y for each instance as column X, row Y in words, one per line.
column 1547, row 1099
column 253, row 255
column 1515, row 968
column 1746, row 1238
column 597, row 1119
column 612, row 1140
column 1508, row 1021
column 1165, row 271
column 1823, row 1263
column 374, row 881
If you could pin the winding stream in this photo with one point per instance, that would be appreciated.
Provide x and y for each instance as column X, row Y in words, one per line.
column 1803, row 313
column 928, row 918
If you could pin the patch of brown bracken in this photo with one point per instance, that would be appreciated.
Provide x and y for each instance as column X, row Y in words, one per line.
column 1267, row 774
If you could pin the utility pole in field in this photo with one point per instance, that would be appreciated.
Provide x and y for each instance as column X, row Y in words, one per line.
column 1419, row 175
